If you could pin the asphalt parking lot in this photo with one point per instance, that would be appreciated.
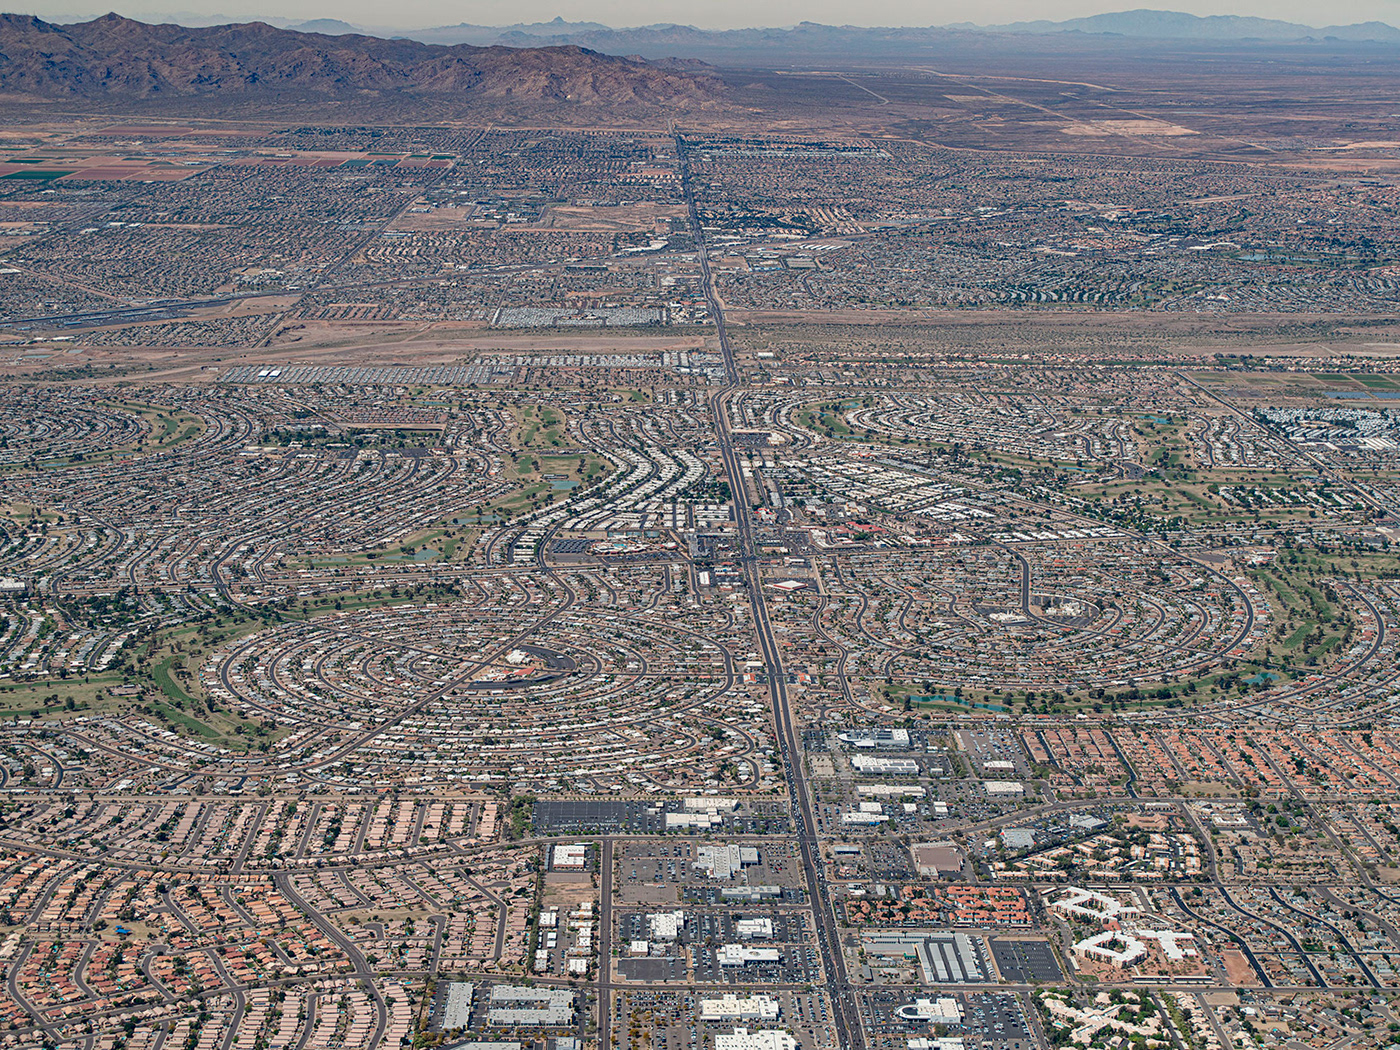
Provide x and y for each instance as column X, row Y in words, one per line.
column 1024, row 961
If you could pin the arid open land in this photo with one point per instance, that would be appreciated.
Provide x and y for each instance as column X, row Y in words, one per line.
column 535, row 550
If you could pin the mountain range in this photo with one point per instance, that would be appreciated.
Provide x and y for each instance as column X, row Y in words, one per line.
column 1175, row 25
column 117, row 57
column 1139, row 25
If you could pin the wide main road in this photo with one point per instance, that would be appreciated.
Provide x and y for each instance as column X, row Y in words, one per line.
column 844, row 1012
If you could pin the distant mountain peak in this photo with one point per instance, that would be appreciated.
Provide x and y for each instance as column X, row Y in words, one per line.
column 328, row 27
column 1149, row 23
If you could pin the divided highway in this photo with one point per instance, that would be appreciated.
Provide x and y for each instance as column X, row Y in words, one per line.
column 845, row 1015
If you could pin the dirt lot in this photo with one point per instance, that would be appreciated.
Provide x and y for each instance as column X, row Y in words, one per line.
column 332, row 343
column 1238, row 969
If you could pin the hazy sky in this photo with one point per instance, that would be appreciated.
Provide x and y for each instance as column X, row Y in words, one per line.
column 711, row 14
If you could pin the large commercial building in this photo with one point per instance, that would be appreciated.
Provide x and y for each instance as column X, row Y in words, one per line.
column 759, row 928
column 733, row 1008
column 743, row 1039
column 944, row 956
column 571, row 856
column 869, row 738
column 724, row 862
column 943, row 1010
column 516, row 1005
column 665, row 926
column 457, row 1007
column 934, row 859
column 879, row 765
column 744, row 954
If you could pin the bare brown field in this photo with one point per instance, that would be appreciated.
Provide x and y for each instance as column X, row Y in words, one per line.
column 626, row 218
column 1237, row 968
column 339, row 344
